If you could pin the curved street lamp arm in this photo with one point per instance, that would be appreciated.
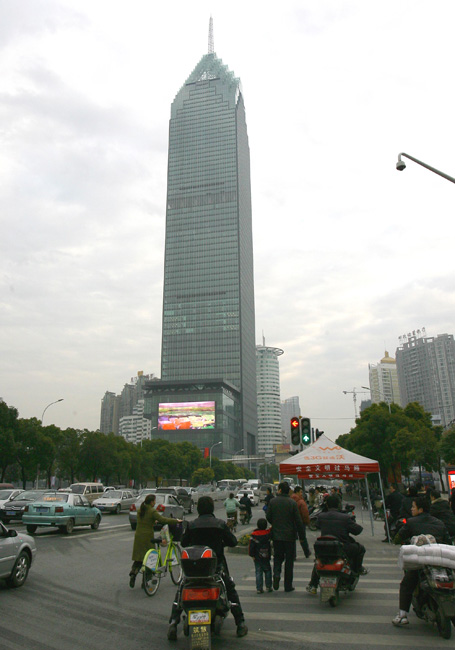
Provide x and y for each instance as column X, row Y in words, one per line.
column 401, row 166
column 56, row 401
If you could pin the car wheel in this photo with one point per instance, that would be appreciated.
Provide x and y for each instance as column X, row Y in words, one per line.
column 69, row 526
column 20, row 570
column 31, row 528
column 96, row 523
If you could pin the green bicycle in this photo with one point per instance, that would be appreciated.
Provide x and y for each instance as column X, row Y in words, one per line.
column 154, row 567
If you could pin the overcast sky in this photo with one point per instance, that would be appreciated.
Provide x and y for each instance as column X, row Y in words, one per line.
column 349, row 253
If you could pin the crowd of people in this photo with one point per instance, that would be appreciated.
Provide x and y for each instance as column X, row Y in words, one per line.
column 287, row 514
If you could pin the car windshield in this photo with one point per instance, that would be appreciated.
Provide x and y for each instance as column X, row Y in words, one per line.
column 77, row 489
column 4, row 494
column 55, row 496
column 112, row 494
column 28, row 495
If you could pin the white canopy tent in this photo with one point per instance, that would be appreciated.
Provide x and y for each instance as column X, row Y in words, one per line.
column 324, row 459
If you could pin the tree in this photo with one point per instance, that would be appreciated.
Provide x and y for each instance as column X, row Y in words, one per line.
column 190, row 459
column 447, row 446
column 8, row 427
column 68, row 454
column 203, row 475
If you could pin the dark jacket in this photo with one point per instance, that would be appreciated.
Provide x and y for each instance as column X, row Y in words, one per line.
column 259, row 546
column 244, row 501
column 207, row 530
column 285, row 518
column 422, row 524
column 268, row 498
column 393, row 502
column 441, row 509
column 339, row 524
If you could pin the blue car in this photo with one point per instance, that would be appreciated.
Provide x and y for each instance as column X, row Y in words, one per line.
column 62, row 509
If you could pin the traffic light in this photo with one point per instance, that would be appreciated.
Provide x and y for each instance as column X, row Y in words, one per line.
column 295, row 431
column 306, row 431
column 318, row 433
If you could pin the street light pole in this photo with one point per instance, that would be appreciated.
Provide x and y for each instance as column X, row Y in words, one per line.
column 56, row 401
column 402, row 165
column 215, row 445
column 387, row 402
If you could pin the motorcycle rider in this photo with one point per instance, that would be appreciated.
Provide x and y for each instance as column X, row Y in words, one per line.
column 440, row 509
column 246, row 503
column 420, row 523
column 342, row 526
column 207, row 530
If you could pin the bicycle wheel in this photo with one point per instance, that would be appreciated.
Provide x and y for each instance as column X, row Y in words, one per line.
column 151, row 578
column 175, row 565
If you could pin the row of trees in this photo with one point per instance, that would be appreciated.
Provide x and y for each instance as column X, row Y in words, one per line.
column 28, row 451
column 402, row 437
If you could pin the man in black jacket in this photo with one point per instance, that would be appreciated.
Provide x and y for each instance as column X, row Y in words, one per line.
column 207, row 530
column 441, row 509
column 246, row 503
column 421, row 523
column 342, row 526
column 284, row 516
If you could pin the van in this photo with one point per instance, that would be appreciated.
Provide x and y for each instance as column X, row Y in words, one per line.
column 90, row 491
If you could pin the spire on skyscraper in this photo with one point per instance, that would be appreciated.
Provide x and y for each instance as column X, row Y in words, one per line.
column 211, row 43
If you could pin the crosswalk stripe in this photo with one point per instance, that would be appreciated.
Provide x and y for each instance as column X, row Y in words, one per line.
column 363, row 580
column 305, row 616
column 360, row 589
column 337, row 638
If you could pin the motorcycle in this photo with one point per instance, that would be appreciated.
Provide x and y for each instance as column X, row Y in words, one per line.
column 245, row 517
column 334, row 570
column 434, row 599
column 203, row 596
column 232, row 523
column 313, row 525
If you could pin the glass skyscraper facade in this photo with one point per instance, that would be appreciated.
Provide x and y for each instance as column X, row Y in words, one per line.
column 208, row 303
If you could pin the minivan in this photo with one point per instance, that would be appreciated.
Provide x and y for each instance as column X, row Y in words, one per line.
column 90, row 491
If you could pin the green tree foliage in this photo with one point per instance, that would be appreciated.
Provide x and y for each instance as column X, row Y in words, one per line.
column 68, row 454
column 8, row 427
column 203, row 475
column 447, row 446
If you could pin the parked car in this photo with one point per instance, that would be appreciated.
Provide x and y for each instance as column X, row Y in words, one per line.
column 90, row 491
column 182, row 495
column 64, row 510
column 166, row 504
column 114, row 501
column 12, row 510
column 250, row 494
column 17, row 552
column 9, row 493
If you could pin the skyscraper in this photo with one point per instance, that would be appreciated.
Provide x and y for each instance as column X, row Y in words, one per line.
column 269, row 402
column 384, row 381
column 208, row 335
column 426, row 373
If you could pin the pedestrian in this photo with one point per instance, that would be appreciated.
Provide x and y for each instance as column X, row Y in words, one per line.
column 268, row 498
column 406, row 504
column 311, row 498
column 231, row 506
column 260, row 550
column 147, row 518
column 393, row 503
column 285, row 518
column 452, row 500
column 304, row 514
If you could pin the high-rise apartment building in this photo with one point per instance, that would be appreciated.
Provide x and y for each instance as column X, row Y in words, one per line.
column 208, row 335
column 426, row 373
column 114, row 407
column 290, row 408
column 135, row 428
column 269, row 402
column 384, row 381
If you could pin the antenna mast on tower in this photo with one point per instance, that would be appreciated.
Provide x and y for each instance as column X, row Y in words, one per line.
column 211, row 44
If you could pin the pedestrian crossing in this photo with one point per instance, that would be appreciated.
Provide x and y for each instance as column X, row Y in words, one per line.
column 363, row 618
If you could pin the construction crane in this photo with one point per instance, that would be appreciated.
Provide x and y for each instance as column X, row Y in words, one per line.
column 354, row 393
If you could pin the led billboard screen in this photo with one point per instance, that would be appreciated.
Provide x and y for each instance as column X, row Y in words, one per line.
column 176, row 416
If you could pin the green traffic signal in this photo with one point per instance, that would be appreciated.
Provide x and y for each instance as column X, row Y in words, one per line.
column 305, row 424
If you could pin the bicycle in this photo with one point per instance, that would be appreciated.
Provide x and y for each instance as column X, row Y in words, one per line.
column 154, row 567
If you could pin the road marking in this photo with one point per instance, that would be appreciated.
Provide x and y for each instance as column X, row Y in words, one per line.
column 363, row 580
column 360, row 589
column 399, row 639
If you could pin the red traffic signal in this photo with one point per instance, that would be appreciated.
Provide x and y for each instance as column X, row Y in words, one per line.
column 295, row 431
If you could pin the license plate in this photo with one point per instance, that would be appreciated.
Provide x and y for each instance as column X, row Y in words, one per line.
column 328, row 582
column 10, row 514
column 38, row 509
column 199, row 617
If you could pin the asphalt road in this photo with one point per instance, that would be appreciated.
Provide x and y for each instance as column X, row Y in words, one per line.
column 77, row 598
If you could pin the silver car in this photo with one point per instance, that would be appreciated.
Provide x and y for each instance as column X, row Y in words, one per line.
column 115, row 501
column 166, row 504
column 6, row 494
column 17, row 551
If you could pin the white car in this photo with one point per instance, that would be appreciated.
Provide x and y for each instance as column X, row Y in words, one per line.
column 8, row 493
column 16, row 555
column 250, row 494
column 114, row 501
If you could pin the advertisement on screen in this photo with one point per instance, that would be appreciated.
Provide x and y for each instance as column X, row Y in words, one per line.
column 451, row 477
column 177, row 416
